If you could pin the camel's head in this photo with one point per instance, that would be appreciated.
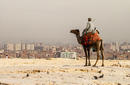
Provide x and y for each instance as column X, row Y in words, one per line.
column 75, row 31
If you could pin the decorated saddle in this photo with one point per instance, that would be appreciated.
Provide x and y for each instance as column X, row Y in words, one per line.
column 90, row 38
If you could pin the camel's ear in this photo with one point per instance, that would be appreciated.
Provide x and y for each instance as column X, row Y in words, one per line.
column 98, row 32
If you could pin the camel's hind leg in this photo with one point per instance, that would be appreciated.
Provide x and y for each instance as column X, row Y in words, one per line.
column 97, row 58
column 98, row 49
column 102, row 52
column 102, row 57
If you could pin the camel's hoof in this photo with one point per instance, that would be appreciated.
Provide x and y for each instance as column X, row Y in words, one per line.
column 89, row 65
column 94, row 65
column 103, row 65
column 85, row 65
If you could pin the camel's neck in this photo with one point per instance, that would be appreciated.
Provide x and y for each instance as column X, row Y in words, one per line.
column 78, row 38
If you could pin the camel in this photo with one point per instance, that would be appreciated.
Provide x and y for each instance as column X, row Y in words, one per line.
column 98, row 45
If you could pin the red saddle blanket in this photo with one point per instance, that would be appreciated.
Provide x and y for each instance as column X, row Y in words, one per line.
column 90, row 38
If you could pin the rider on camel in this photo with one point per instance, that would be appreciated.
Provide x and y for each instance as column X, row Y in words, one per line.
column 90, row 27
column 90, row 34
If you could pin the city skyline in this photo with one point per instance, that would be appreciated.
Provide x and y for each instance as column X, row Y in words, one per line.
column 40, row 50
column 50, row 21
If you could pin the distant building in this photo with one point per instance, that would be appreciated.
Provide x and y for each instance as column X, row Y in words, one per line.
column 23, row 46
column 128, row 47
column 18, row 47
column 71, row 55
column 117, row 47
column 1, row 51
column 39, row 48
column 9, row 47
column 1, row 45
column 113, row 48
column 57, row 55
column 53, row 49
column 32, row 47
column 29, row 46
column 124, row 47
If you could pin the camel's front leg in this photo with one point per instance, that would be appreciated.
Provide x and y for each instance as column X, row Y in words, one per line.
column 85, row 55
column 89, row 64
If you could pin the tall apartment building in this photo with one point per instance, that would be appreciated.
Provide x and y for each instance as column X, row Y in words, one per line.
column 9, row 47
column 29, row 46
column 23, row 46
column 32, row 47
column 18, row 47
column 1, row 45
column 115, row 47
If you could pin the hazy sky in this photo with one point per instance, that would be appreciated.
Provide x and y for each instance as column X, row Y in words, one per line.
column 51, row 20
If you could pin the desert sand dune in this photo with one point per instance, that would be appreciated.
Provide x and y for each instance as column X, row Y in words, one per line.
column 60, row 71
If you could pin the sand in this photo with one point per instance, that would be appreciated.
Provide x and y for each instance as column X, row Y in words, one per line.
column 60, row 71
